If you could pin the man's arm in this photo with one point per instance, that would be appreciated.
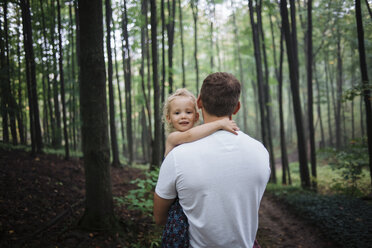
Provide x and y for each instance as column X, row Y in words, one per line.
column 161, row 208
column 176, row 138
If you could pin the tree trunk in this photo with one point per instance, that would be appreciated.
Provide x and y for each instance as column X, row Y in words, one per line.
column 182, row 46
column 10, row 101
column 322, row 142
column 3, row 89
column 194, row 8
column 339, row 92
column 114, row 142
column 99, row 210
column 170, row 28
column 148, row 136
column 259, row 73
column 293, row 73
column 57, row 112
column 241, row 74
column 20, row 115
column 157, row 119
column 61, row 77
column 267, row 96
column 365, row 82
column 309, row 64
column 128, row 83
column 36, row 139
column 124, row 148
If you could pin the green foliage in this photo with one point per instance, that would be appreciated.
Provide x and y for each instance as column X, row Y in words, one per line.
column 350, row 162
column 346, row 220
column 355, row 91
column 141, row 198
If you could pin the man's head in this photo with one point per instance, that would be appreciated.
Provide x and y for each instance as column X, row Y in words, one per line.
column 219, row 94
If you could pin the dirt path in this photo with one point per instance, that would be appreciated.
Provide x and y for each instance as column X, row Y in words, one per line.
column 279, row 227
column 34, row 191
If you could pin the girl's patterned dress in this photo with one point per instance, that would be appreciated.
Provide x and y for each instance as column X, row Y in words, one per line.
column 175, row 233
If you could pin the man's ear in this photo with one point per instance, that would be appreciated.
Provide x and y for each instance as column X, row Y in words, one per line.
column 236, row 108
column 199, row 102
column 196, row 116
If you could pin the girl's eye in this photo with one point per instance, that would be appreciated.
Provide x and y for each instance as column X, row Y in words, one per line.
column 176, row 113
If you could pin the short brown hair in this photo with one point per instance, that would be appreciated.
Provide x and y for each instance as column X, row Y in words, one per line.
column 220, row 93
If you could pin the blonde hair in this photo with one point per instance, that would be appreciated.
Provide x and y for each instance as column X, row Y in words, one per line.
column 166, row 108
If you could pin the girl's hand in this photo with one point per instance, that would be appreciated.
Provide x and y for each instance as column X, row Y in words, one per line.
column 229, row 125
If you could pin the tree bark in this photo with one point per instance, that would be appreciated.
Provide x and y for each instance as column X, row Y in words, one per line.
column 114, row 142
column 36, row 139
column 57, row 112
column 61, row 77
column 170, row 28
column 182, row 45
column 128, row 85
column 11, row 104
column 309, row 56
column 157, row 119
column 194, row 8
column 293, row 68
column 259, row 73
column 365, row 81
column 99, row 211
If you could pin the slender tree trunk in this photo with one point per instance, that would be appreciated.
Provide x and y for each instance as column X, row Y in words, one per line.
column 11, row 103
column 114, row 142
column 61, row 76
column 309, row 64
column 36, row 139
column 20, row 118
column 3, row 87
column 330, row 133
column 57, row 112
column 157, row 137
column 182, row 45
column 241, row 75
column 170, row 28
column 194, row 8
column 148, row 136
column 293, row 68
column 77, row 21
column 339, row 92
column 99, row 210
column 365, row 82
column 259, row 73
column 267, row 95
column 73, row 82
column 124, row 148
column 163, row 73
column 128, row 83
column 213, row 18
column 322, row 143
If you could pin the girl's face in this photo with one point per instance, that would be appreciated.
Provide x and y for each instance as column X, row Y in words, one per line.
column 182, row 114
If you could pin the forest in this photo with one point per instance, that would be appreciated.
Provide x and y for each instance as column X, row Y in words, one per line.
column 83, row 84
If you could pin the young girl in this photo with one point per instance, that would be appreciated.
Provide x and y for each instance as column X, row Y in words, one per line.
column 181, row 115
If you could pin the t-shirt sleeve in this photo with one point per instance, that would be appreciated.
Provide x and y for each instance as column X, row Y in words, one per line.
column 166, row 185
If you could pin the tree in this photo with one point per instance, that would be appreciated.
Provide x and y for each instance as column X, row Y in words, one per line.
column 114, row 142
column 170, row 28
column 99, row 211
column 36, row 139
column 291, row 45
column 309, row 56
column 194, row 8
column 157, row 135
column 365, row 82
column 128, row 83
column 182, row 45
column 61, row 76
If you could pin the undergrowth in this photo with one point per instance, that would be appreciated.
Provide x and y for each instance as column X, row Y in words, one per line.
column 344, row 219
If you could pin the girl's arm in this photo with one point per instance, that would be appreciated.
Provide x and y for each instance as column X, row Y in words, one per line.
column 176, row 138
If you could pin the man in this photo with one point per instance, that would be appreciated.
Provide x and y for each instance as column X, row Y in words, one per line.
column 219, row 179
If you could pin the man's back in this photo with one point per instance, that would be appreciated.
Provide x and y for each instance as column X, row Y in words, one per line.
column 220, row 181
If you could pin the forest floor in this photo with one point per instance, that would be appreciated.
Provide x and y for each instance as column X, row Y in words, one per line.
column 42, row 199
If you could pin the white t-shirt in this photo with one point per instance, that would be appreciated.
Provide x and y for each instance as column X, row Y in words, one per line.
column 219, row 180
